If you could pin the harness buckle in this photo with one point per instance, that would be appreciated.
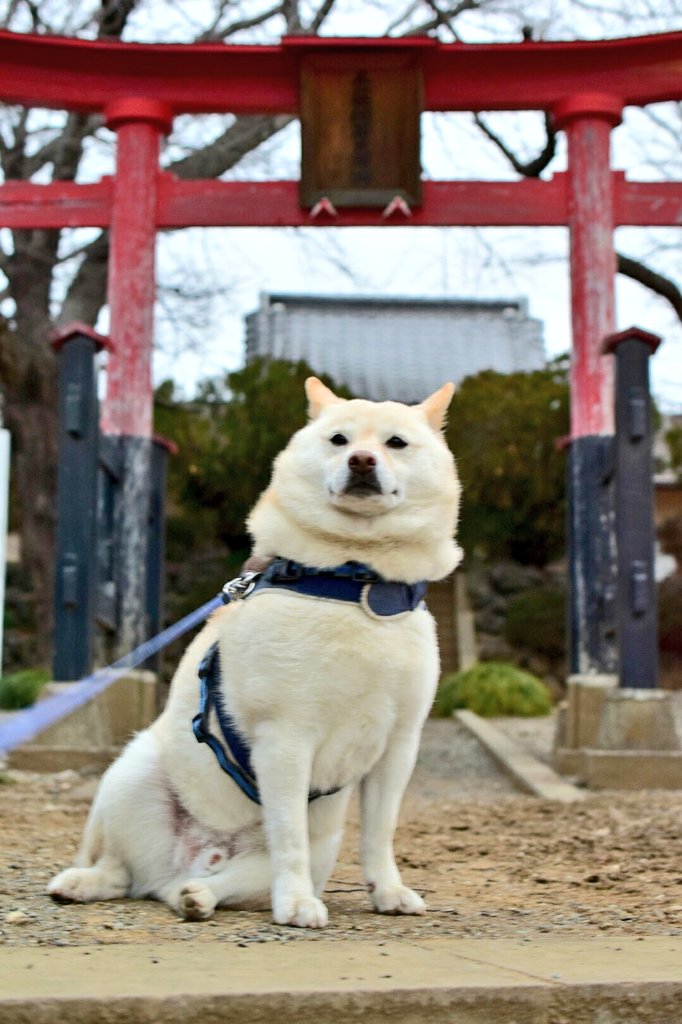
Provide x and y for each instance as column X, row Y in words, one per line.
column 364, row 575
column 287, row 571
column 240, row 587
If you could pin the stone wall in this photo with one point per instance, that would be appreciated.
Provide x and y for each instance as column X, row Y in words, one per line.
column 491, row 590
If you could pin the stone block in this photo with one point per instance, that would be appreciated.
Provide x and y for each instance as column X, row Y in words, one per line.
column 568, row 761
column 584, row 705
column 636, row 720
column 633, row 769
column 94, row 733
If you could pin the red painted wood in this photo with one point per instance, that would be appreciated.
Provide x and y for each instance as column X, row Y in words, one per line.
column 593, row 265
column 61, row 204
column 612, row 342
column 647, row 203
column 127, row 408
column 60, row 335
column 270, row 204
column 87, row 75
column 274, row 203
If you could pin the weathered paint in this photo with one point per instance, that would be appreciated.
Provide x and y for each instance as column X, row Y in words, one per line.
column 132, row 542
column 131, row 287
column 588, row 121
column 593, row 264
column 592, row 556
column 128, row 406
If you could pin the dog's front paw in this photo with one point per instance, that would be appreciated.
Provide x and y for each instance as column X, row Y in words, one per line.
column 396, row 899
column 300, row 912
column 197, row 902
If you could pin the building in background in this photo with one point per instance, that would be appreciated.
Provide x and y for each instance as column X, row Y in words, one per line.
column 393, row 348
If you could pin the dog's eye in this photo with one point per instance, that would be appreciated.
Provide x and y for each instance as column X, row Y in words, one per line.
column 396, row 442
column 339, row 440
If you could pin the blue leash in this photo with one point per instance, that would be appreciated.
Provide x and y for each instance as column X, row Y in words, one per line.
column 26, row 725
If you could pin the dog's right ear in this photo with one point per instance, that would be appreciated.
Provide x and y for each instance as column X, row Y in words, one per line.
column 319, row 396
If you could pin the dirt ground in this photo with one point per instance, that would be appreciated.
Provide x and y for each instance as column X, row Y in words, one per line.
column 489, row 861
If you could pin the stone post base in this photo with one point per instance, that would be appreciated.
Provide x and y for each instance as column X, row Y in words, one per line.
column 611, row 738
column 92, row 736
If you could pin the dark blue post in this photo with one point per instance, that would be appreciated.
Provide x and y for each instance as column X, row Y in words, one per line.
column 75, row 582
column 592, row 556
column 635, row 534
column 156, row 544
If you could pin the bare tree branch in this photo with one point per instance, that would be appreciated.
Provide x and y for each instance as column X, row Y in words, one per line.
column 213, row 33
column 316, row 24
column 651, row 279
column 533, row 168
column 239, row 139
column 113, row 17
column 444, row 17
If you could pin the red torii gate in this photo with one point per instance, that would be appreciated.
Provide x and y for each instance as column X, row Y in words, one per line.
column 140, row 88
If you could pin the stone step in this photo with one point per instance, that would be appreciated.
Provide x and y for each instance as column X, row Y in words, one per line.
column 314, row 978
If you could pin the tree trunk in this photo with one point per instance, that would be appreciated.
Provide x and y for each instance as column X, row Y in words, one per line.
column 29, row 375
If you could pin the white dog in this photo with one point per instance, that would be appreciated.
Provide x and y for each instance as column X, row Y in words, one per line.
column 326, row 673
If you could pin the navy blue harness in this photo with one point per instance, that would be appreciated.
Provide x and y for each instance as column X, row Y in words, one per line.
column 349, row 582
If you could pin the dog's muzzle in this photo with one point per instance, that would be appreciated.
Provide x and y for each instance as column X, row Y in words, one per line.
column 362, row 480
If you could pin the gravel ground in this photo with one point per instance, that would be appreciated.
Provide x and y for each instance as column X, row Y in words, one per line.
column 490, row 862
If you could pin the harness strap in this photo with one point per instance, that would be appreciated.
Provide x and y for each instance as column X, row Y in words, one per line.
column 239, row 766
column 239, row 769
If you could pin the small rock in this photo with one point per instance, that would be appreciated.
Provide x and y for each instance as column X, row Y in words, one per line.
column 17, row 917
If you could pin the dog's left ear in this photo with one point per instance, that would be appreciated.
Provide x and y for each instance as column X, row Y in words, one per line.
column 319, row 396
column 435, row 407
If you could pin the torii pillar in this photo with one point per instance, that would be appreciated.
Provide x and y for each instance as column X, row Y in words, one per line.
column 128, row 406
column 588, row 120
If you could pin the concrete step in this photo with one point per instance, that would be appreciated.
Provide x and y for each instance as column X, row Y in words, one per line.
column 318, row 979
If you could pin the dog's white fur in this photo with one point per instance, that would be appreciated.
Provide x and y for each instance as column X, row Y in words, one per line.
column 326, row 694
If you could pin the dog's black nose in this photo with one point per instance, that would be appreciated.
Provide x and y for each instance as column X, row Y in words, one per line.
column 362, row 463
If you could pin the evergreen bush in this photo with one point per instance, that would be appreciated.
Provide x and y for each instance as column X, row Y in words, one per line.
column 492, row 688
column 21, row 689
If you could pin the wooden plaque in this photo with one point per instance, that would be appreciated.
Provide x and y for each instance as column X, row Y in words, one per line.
column 360, row 129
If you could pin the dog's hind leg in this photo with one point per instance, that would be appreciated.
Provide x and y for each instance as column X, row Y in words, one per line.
column 244, row 878
column 247, row 877
column 108, row 879
column 128, row 838
column 97, row 876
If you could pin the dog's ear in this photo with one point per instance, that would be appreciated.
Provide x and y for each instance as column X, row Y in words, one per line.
column 319, row 396
column 435, row 407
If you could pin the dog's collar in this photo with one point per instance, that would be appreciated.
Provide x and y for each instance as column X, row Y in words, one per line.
column 351, row 582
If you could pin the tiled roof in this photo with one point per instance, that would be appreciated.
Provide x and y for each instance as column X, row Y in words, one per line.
column 396, row 348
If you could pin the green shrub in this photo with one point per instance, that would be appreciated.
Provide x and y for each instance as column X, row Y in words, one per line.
column 536, row 621
column 21, row 689
column 492, row 688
